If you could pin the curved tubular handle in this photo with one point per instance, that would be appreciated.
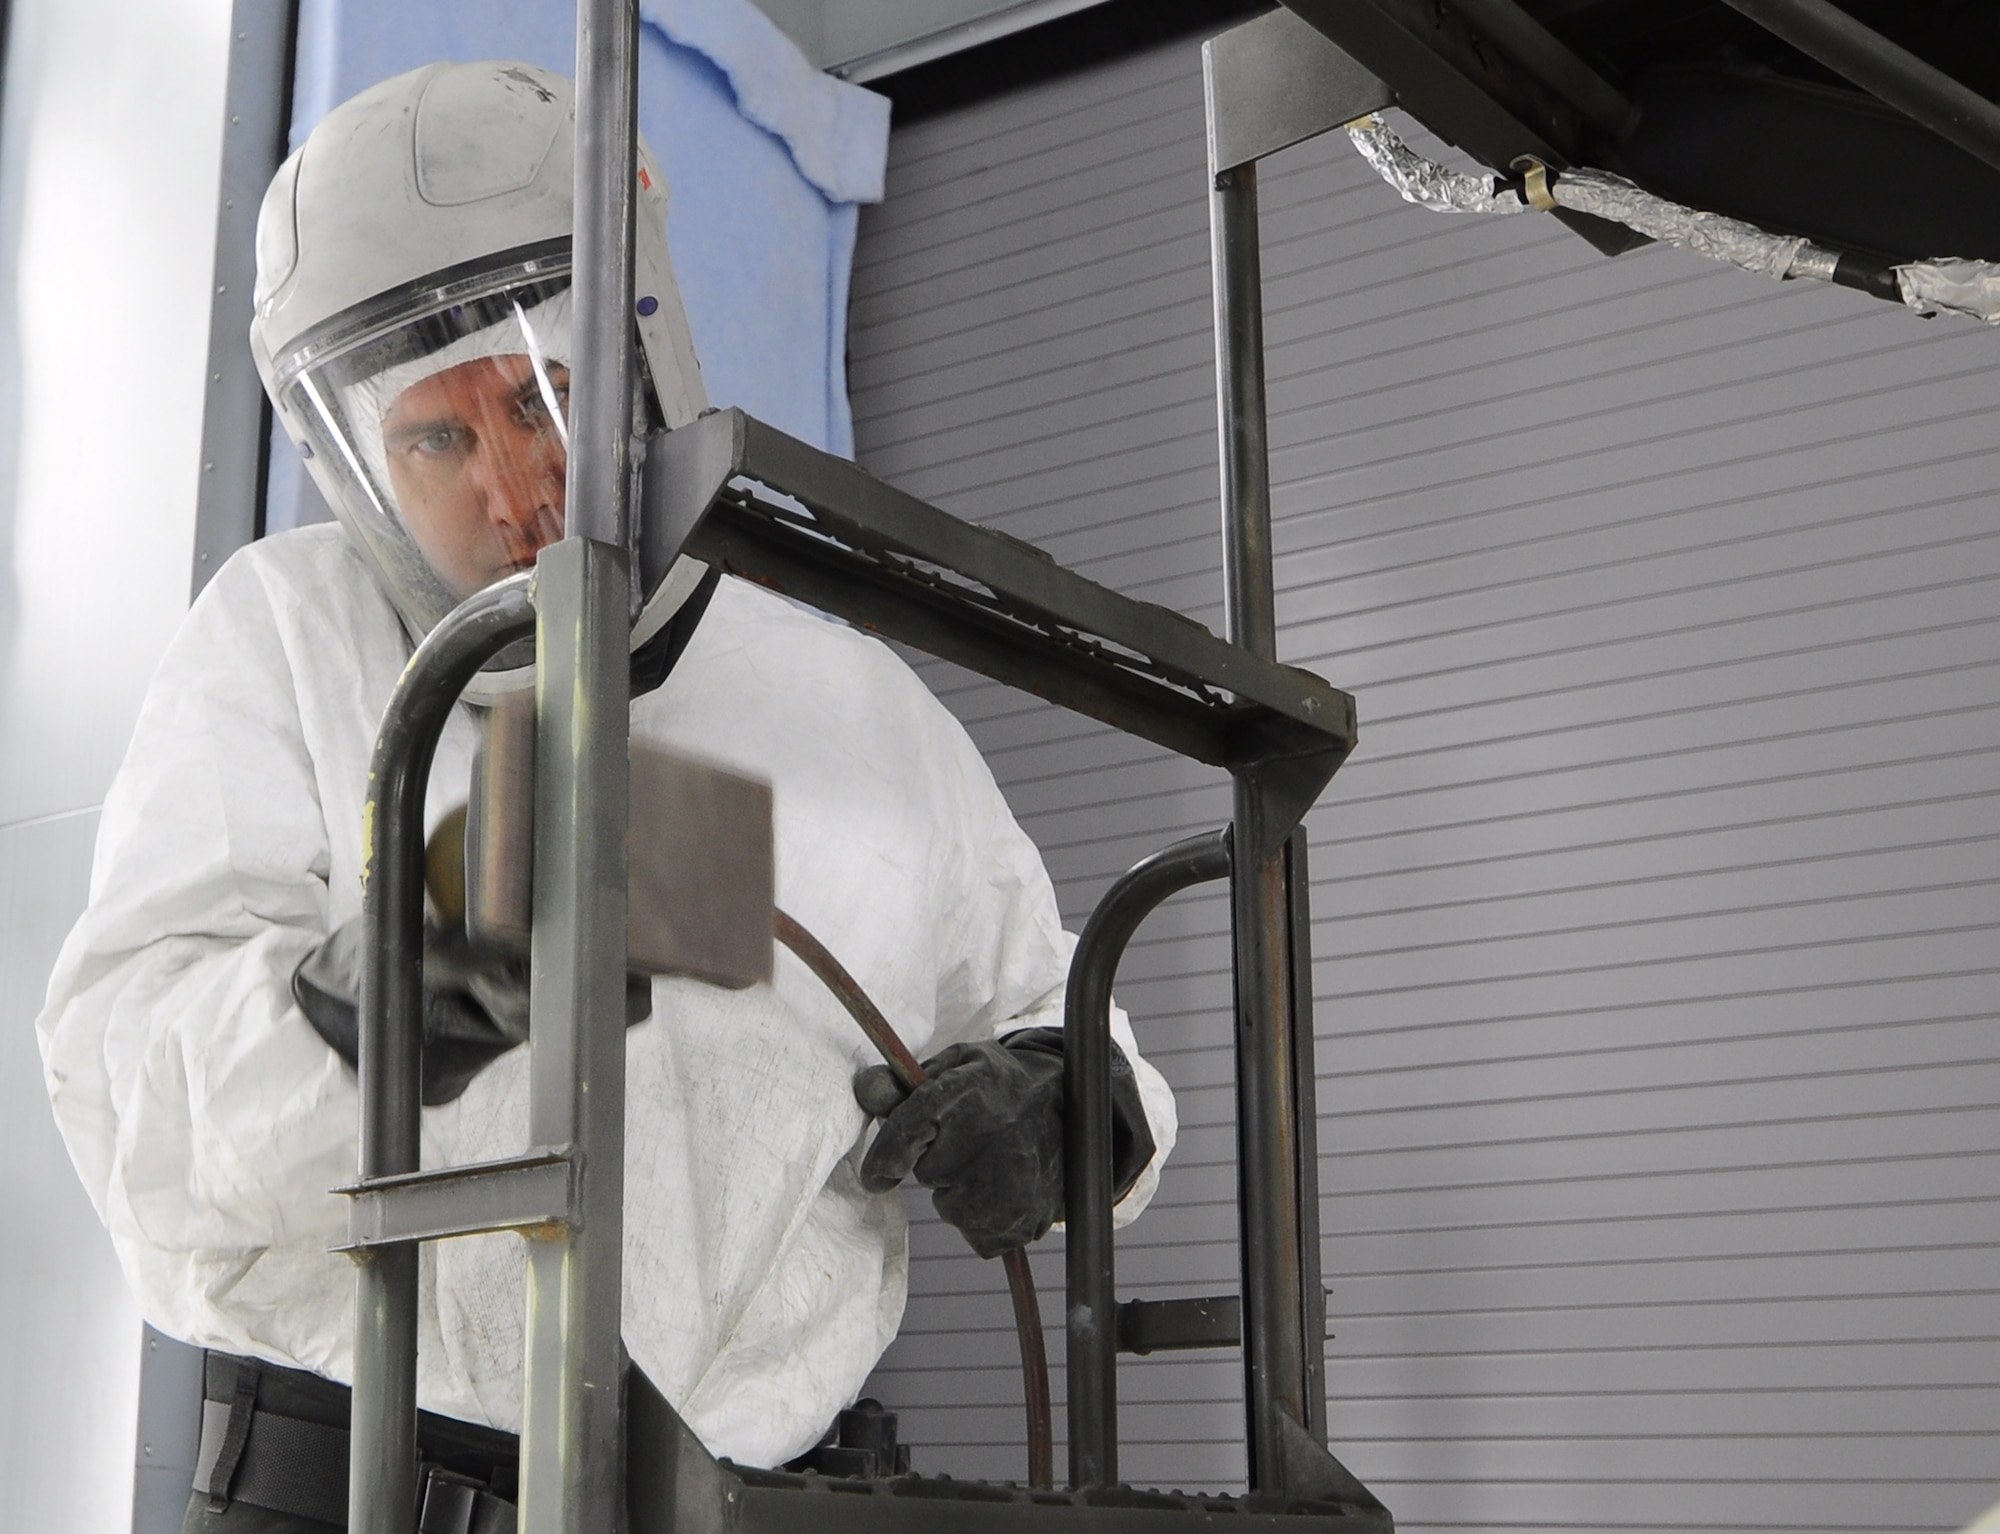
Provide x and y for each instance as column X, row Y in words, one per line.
column 383, row 1468
column 1093, row 1304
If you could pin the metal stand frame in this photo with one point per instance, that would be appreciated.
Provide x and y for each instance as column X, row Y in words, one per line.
column 842, row 541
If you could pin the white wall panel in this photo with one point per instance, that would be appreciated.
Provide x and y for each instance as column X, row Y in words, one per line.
column 109, row 153
column 1656, row 915
column 69, row 1335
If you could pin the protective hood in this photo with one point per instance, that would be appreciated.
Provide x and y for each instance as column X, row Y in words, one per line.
column 412, row 329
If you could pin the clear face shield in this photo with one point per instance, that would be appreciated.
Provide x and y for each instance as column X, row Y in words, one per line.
column 438, row 426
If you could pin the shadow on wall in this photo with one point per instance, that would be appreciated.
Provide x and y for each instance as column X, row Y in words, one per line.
column 11, row 112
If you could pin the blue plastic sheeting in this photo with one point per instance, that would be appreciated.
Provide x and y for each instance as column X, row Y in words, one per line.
column 766, row 161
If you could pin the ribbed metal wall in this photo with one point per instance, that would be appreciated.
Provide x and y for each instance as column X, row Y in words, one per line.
column 1656, row 915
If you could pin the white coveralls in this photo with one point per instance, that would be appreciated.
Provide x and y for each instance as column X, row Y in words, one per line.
column 209, row 1120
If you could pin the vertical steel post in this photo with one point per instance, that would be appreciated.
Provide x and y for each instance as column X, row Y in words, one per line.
column 1305, row 1085
column 1274, row 1364
column 1236, row 259
column 1276, row 1346
column 572, row 1441
column 607, row 167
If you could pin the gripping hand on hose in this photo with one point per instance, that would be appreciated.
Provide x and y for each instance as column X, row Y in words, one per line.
column 985, row 1135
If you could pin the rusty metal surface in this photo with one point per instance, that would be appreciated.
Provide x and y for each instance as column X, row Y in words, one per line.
column 843, row 541
column 530, row 1192
column 702, row 871
column 700, row 857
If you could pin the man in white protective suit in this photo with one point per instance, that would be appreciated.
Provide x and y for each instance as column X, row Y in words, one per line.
column 412, row 326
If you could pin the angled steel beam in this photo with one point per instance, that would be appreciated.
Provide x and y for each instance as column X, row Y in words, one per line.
column 1550, row 60
column 892, row 564
column 1825, row 32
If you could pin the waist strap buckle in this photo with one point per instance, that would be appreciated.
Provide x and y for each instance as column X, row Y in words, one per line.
column 457, row 1504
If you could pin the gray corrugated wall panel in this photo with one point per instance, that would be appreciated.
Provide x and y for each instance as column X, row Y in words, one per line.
column 1656, row 916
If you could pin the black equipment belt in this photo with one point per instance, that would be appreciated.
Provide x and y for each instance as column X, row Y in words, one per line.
column 277, row 1439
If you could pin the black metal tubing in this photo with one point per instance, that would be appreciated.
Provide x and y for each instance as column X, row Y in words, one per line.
column 1093, row 1304
column 1283, row 1351
column 1237, row 270
column 889, row 562
column 1305, row 1116
column 382, row 1483
column 1160, row 1326
column 1923, row 91
column 1270, row 1195
column 1283, row 1308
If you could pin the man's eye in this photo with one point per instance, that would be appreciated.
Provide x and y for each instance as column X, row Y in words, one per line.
column 436, row 444
column 535, row 409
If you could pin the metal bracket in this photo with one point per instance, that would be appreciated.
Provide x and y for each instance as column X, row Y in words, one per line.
column 1535, row 183
column 528, row 1193
column 848, row 544
column 1159, row 1326
column 1278, row 81
column 1168, row 1326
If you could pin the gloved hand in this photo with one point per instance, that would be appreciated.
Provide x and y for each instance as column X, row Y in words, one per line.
column 985, row 1135
column 475, row 1002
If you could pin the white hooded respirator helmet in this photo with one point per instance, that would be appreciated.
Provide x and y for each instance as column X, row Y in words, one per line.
column 412, row 329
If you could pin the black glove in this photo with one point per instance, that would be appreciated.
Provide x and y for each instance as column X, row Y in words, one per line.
column 985, row 1135
column 475, row 1003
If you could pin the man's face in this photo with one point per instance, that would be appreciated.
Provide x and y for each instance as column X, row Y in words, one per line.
column 477, row 463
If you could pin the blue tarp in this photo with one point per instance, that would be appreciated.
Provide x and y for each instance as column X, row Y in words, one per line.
column 766, row 158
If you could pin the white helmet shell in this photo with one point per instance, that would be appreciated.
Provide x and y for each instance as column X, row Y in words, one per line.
column 426, row 201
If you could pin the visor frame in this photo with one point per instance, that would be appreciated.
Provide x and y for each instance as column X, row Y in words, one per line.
column 304, row 380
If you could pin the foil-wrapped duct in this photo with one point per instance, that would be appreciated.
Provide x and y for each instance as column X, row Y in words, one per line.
column 1971, row 288
column 1423, row 181
column 1710, row 234
column 1596, row 192
column 1944, row 286
column 1815, row 262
